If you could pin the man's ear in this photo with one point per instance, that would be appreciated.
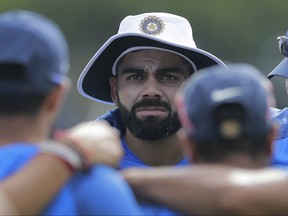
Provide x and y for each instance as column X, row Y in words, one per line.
column 114, row 90
column 187, row 144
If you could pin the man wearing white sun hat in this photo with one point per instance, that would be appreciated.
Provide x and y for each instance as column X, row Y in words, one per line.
column 139, row 70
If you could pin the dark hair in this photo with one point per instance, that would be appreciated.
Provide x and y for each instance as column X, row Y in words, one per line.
column 213, row 151
column 237, row 140
column 26, row 104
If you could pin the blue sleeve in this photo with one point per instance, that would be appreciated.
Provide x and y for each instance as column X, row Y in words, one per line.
column 280, row 152
column 62, row 204
column 158, row 210
column 280, row 147
column 281, row 117
column 103, row 191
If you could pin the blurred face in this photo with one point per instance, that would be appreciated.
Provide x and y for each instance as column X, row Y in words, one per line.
column 144, row 90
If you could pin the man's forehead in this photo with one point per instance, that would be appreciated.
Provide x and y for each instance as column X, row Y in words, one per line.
column 150, row 53
column 146, row 57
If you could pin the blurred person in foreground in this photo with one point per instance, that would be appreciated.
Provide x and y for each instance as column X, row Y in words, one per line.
column 34, row 64
column 228, row 134
column 139, row 70
column 44, row 175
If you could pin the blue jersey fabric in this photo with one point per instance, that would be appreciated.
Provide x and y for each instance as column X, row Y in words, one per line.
column 109, row 195
column 129, row 159
column 132, row 160
column 102, row 191
column 280, row 151
column 153, row 209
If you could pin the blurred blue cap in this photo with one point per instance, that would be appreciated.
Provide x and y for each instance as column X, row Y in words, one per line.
column 240, row 86
column 33, row 53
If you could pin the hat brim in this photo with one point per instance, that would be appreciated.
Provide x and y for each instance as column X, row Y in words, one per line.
column 280, row 70
column 94, row 83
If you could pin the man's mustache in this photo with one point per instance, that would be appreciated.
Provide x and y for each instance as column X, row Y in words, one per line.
column 151, row 103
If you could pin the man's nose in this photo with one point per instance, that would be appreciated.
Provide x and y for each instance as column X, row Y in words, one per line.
column 152, row 88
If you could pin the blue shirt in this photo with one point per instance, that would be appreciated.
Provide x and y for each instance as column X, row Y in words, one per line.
column 129, row 159
column 102, row 191
column 280, row 151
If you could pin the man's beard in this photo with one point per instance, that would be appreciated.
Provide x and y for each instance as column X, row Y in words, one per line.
column 150, row 128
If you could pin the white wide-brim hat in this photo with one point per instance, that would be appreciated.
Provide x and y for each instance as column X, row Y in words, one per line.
column 158, row 30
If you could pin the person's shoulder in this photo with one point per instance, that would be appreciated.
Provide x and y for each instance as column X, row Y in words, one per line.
column 110, row 115
column 99, row 178
column 156, row 209
column 281, row 118
column 104, row 186
column 18, row 147
column 114, row 119
column 102, row 175
column 63, row 203
column 17, row 152
column 15, row 155
column 278, row 113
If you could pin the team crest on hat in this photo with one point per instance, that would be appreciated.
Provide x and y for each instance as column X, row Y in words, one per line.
column 152, row 25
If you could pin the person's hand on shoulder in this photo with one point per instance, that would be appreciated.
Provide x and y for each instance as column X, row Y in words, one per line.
column 98, row 140
column 85, row 145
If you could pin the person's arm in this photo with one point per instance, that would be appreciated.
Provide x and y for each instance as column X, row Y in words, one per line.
column 29, row 190
column 211, row 189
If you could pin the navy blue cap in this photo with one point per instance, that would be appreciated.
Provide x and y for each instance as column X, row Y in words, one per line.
column 282, row 68
column 33, row 53
column 242, row 85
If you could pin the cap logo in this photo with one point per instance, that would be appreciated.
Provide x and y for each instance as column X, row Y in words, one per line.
column 230, row 129
column 225, row 94
column 152, row 25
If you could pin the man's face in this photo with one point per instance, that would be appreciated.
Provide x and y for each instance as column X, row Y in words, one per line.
column 147, row 81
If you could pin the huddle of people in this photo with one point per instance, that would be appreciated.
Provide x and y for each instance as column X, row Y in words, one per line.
column 205, row 132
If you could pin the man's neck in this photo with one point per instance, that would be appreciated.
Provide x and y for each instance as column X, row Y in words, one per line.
column 244, row 161
column 20, row 129
column 161, row 152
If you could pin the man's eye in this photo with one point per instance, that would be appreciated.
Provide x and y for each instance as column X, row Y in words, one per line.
column 169, row 77
column 135, row 77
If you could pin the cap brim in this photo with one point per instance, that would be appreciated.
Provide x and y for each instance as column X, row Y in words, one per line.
column 280, row 70
column 94, row 83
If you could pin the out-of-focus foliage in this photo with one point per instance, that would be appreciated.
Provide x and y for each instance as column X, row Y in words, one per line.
column 233, row 30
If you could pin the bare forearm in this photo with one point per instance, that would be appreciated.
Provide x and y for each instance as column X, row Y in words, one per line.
column 258, row 199
column 213, row 189
column 190, row 191
column 7, row 206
